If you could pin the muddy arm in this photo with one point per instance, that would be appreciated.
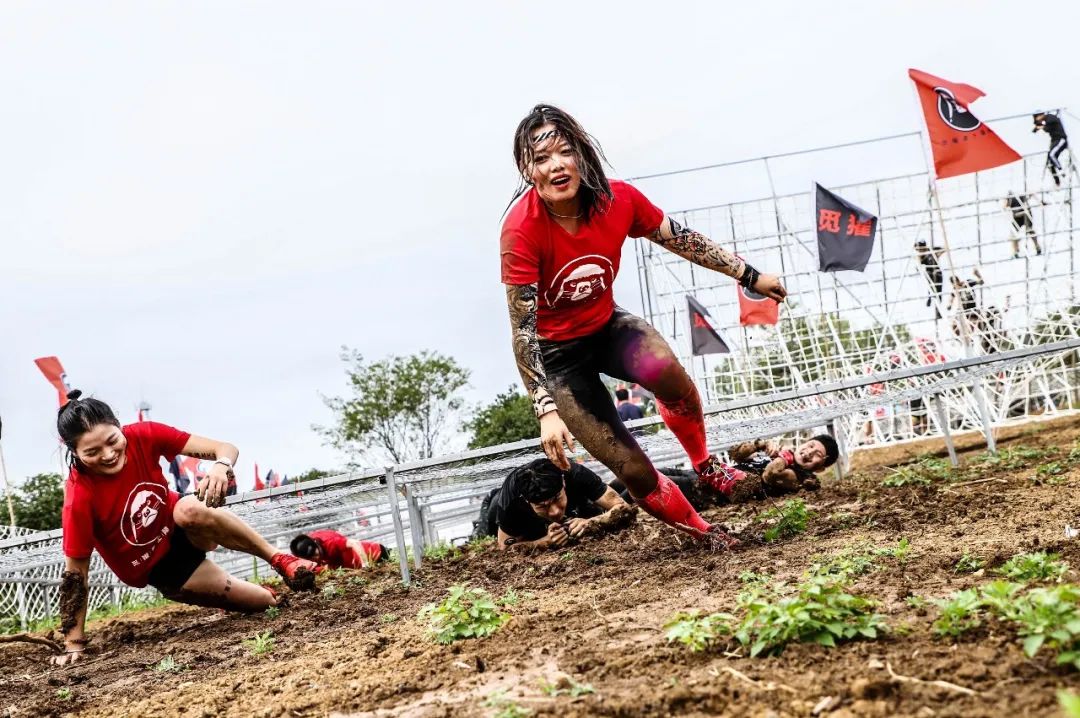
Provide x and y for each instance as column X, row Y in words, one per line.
column 74, row 592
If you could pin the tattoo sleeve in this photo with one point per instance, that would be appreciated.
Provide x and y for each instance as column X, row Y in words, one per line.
column 698, row 248
column 521, row 301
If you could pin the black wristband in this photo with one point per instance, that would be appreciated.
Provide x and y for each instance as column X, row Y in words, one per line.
column 749, row 277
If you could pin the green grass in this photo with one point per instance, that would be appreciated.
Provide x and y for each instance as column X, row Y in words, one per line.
column 924, row 471
column 1038, row 566
column 388, row 618
column 787, row 520
column 465, row 613
column 260, row 644
column 1012, row 458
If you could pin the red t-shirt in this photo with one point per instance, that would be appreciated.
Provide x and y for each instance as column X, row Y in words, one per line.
column 127, row 517
column 574, row 272
column 336, row 552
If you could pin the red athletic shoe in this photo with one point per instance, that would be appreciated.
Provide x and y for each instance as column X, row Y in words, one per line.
column 299, row 573
column 718, row 475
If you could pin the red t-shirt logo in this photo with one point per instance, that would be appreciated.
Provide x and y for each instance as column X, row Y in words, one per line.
column 580, row 280
column 145, row 505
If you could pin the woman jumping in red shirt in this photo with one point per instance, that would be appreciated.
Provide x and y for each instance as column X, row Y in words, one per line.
column 116, row 501
column 561, row 245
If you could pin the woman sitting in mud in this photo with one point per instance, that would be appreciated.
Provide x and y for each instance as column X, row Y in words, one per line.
column 116, row 501
column 541, row 506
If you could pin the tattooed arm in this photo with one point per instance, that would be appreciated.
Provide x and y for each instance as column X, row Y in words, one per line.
column 521, row 301
column 73, row 596
column 704, row 252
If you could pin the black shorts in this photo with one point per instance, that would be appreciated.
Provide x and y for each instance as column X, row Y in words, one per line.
column 173, row 570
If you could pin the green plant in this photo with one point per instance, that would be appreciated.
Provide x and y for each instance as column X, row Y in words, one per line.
column 1013, row 457
column 388, row 618
column 504, row 707
column 272, row 612
column 1050, row 617
column 334, row 574
column 754, row 578
column 916, row 602
column 968, row 563
column 464, row 613
column 816, row 611
column 695, row 631
column 565, row 686
column 1070, row 703
column 901, row 551
column 260, row 644
column 480, row 542
column 331, row 591
column 922, row 472
column 64, row 693
column 1038, row 566
column 1050, row 473
column 168, row 664
column 959, row 613
column 788, row 519
column 441, row 550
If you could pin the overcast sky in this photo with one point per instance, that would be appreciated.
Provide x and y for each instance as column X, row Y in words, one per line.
column 200, row 202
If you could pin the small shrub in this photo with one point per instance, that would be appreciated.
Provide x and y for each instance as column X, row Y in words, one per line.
column 260, row 644
column 968, row 563
column 1050, row 617
column 64, row 693
column 1038, row 566
column 695, row 631
column 959, row 614
column 817, row 611
column 272, row 612
column 168, row 664
column 464, row 613
column 790, row 519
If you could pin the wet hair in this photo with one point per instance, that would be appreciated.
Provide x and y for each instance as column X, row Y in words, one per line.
column 303, row 546
column 539, row 481
column 832, row 451
column 79, row 416
column 595, row 191
column 622, row 394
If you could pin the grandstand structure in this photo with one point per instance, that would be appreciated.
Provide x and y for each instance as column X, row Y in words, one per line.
column 843, row 324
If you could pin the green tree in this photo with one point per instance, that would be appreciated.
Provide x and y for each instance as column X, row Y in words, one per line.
column 508, row 418
column 39, row 502
column 310, row 475
column 400, row 406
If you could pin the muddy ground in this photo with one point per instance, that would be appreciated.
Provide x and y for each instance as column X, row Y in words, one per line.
column 594, row 615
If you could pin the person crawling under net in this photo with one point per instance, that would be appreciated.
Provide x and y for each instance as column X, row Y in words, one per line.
column 334, row 550
column 540, row 506
column 771, row 470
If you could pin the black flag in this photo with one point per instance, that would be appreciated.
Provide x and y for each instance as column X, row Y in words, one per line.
column 703, row 338
column 845, row 233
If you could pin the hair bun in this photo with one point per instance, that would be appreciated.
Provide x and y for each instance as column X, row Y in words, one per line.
column 74, row 394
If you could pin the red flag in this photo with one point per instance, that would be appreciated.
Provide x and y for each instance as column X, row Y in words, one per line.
column 959, row 141
column 756, row 308
column 54, row 372
column 259, row 485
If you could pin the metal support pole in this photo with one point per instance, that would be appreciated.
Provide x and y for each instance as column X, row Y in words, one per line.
column 943, row 424
column 984, row 415
column 399, row 530
column 842, row 459
column 416, row 524
column 20, row 595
